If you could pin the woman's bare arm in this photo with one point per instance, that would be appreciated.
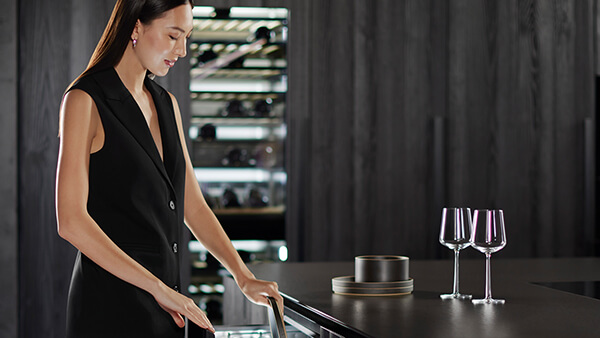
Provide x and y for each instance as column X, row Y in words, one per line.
column 206, row 228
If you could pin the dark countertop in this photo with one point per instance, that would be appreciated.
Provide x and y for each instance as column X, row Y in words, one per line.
column 531, row 310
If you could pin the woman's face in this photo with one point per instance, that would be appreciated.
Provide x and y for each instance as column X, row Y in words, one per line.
column 164, row 40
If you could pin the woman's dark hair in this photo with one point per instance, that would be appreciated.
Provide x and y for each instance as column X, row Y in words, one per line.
column 117, row 33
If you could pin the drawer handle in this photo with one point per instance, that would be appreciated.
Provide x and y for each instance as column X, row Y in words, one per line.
column 276, row 320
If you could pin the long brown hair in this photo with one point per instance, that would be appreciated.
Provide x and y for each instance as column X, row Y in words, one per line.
column 117, row 33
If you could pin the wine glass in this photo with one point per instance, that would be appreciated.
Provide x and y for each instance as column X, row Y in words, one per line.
column 455, row 233
column 488, row 237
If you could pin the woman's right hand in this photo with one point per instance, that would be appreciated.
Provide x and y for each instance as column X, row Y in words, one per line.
column 178, row 305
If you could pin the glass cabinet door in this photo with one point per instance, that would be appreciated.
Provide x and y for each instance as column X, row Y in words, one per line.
column 238, row 85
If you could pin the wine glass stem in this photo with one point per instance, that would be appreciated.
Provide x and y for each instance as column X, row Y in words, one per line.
column 455, row 288
column 488, row 276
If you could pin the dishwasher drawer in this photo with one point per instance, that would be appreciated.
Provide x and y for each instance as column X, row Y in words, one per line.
column 250, row 331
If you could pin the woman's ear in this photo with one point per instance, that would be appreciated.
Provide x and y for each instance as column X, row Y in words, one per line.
column 136, row 30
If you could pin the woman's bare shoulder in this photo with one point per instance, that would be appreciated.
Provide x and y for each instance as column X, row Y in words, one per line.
column 77, row 96
column 78, row 110
column 78, row 100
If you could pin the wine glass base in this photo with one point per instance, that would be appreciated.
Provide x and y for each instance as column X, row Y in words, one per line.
column 456, row 296
column 488, row 301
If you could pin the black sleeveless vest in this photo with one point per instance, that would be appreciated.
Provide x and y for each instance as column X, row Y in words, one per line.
column 138, row 201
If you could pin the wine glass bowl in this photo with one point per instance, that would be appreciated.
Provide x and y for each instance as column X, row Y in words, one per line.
column 488, row 237
column 455, row 233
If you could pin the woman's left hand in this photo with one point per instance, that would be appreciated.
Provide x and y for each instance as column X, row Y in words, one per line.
column 257, row 291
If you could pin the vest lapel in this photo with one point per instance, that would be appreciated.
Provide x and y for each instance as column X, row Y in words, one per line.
column 124, row 107
column 168, row 127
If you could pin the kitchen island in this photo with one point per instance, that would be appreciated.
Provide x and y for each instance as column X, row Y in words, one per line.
column 544, row 298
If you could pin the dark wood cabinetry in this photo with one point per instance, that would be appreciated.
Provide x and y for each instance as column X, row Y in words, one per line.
column 409, row 106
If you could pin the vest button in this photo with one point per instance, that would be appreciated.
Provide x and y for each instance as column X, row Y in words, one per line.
column 172, row 205
column 175, row 247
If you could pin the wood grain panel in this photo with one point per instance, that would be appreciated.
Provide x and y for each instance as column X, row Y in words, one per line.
column 566, row 121
column 382, row 161
column 416, row 132
column 513, row 115
column 44, row 264
column 512, row 81
column 585, row 99
column 542, row 114
column 342, row 194
column 8, row 172
column 389, row 58
column 299, row 139
column 596, row 33
column 439, row 105
column 364, row 126
column 574, row 75
column 88, row 20
column 321, row 137
column 331, row 140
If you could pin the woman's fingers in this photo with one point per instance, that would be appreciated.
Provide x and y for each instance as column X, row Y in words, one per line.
column 199, row 318
column 274, row 292
column 279, row 300
column 179, row 306
column 177, row 318
column 258, row 290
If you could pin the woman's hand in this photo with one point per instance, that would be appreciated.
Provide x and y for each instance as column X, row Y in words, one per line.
column 178, row 305
column 257, row 291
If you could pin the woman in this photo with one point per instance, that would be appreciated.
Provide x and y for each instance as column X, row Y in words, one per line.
column 125, row 183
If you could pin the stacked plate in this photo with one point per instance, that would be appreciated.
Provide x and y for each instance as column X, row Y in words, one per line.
column 347, row 286
column 376, row 276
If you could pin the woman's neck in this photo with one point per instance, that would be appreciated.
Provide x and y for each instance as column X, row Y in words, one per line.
column 131, row 72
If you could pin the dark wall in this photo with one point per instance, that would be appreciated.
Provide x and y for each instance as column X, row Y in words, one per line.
column 44, row 264
column 398, row 108
column 56, row 41
column 8, row 172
